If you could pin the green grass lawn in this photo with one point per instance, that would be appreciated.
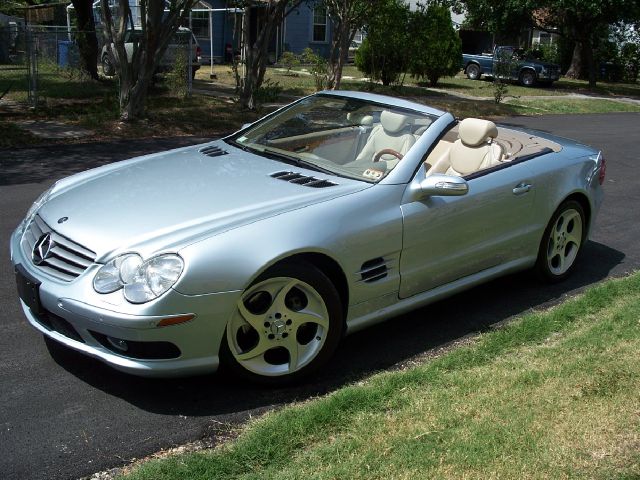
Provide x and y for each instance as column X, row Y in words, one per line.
column 553, row 395
column 69, row 97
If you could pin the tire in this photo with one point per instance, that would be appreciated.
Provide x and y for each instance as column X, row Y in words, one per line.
column 562, row 242
column 527, row 78
column 287, row 324
column 473, row 71
column 107, row 66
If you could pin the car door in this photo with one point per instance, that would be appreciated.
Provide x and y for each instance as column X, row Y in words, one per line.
column 446, row 238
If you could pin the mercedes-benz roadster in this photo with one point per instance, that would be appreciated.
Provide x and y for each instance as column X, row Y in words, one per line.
column 260, row 251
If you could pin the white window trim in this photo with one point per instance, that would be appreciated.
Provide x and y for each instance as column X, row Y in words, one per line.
column 313, row 24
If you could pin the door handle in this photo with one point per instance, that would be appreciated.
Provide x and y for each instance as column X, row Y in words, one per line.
column 521, row 188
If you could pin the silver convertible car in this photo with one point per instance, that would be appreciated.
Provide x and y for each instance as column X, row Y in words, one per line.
column 260, row 251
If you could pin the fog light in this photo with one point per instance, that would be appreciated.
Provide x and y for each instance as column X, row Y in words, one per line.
column 118, row 344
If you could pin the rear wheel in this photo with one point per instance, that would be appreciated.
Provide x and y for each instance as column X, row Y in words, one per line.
column 473, row 71
column 562, row 242
column 287, row 324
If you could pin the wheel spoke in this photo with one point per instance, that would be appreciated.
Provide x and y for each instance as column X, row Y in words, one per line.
column 291, row 344
column 262, row 346
column 255, row 321
column 279, row 301
column 301, row 318
column 571, row 238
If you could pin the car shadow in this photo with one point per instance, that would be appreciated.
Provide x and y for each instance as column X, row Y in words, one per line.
column 381, row 347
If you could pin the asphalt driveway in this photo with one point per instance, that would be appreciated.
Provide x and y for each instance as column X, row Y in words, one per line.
column 66, row 416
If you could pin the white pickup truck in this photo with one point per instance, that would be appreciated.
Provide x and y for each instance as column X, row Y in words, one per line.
column 180, row 42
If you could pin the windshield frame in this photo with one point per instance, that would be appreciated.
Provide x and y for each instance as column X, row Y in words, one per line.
column 328, row 167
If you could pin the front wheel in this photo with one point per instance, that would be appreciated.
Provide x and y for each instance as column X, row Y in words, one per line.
column 562, row 242
column 107, row 66
column 528, row 78
column 286, row 325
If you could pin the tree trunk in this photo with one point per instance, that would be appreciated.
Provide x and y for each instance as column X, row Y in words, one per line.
column 591, row 64
column 575, row 69
column 346, row 37
column 87, row 39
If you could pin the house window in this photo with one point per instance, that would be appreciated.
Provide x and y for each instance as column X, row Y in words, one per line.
column 319, row 24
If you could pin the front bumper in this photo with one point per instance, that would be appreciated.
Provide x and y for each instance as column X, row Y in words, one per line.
column 73, row 314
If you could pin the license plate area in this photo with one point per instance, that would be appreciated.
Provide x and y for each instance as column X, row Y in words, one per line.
column 28, row 290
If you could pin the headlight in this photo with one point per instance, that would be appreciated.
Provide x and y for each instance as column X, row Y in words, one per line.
column 142, row 281
column 117, row 273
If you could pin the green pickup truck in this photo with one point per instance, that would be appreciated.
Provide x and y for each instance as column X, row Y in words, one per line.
column 527, row 71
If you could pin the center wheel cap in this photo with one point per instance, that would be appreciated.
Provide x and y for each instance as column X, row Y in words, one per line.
column 278, row 327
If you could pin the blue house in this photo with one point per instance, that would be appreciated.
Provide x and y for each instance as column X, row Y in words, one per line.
column 307, row 26
column 213, row 23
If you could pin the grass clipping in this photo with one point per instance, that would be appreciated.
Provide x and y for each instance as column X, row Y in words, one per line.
column 552, row 395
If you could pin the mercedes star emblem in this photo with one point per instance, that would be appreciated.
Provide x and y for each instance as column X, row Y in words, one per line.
column 42, row 249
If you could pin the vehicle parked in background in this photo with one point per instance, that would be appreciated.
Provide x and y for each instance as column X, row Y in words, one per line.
column 527, row 71
column 181, row 42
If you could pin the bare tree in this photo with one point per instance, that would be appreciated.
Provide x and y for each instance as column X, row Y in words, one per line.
column 256, row 52
column 157, row 29
column 347, row 16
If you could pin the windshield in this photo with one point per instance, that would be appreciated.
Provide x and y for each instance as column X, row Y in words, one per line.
column 343, row 136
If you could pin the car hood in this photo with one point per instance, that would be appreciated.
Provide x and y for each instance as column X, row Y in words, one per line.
column 167, row 200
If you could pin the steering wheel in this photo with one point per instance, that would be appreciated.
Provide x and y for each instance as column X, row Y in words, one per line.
column 389, row 151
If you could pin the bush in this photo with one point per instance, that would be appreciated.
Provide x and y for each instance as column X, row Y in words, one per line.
column 384, row 52
column 435, row 45
column 319, row 67
column 289, row 60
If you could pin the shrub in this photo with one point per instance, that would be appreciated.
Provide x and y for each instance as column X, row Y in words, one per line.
column 434, row 44
column 289, row 60
column 384, row 52
column 319, row 67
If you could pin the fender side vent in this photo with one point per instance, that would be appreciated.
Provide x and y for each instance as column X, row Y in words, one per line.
column 213, row 151
column 374, row 269
column 305, row 180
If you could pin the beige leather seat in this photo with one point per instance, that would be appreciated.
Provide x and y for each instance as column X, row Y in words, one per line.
column 393, row 133
column 474, row 149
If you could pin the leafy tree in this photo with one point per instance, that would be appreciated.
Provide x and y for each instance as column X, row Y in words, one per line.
column 435, row 45
column 347, row 16
column 384, row 52
column 157, row 29
column 256, row 53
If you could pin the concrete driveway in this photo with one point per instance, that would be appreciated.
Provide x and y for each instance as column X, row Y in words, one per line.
column 67, row 416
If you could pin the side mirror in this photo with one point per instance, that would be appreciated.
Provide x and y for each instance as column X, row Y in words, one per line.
column 443, row 185
column 244, row 126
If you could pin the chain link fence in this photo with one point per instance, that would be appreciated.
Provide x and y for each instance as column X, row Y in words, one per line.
column 39, row 63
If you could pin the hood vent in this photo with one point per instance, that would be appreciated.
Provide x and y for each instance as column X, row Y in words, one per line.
column 305, row 180
column 372, row 270
column 213, row 151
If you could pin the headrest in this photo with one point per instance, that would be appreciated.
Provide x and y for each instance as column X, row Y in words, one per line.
column 474, row 132
column 360, row 119
column 393, row 122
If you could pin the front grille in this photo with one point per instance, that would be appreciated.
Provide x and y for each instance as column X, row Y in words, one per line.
column 67, row 260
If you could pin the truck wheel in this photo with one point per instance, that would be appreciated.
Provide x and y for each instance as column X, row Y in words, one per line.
column 473, row 71
column 528, row 78
column 107, row 66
